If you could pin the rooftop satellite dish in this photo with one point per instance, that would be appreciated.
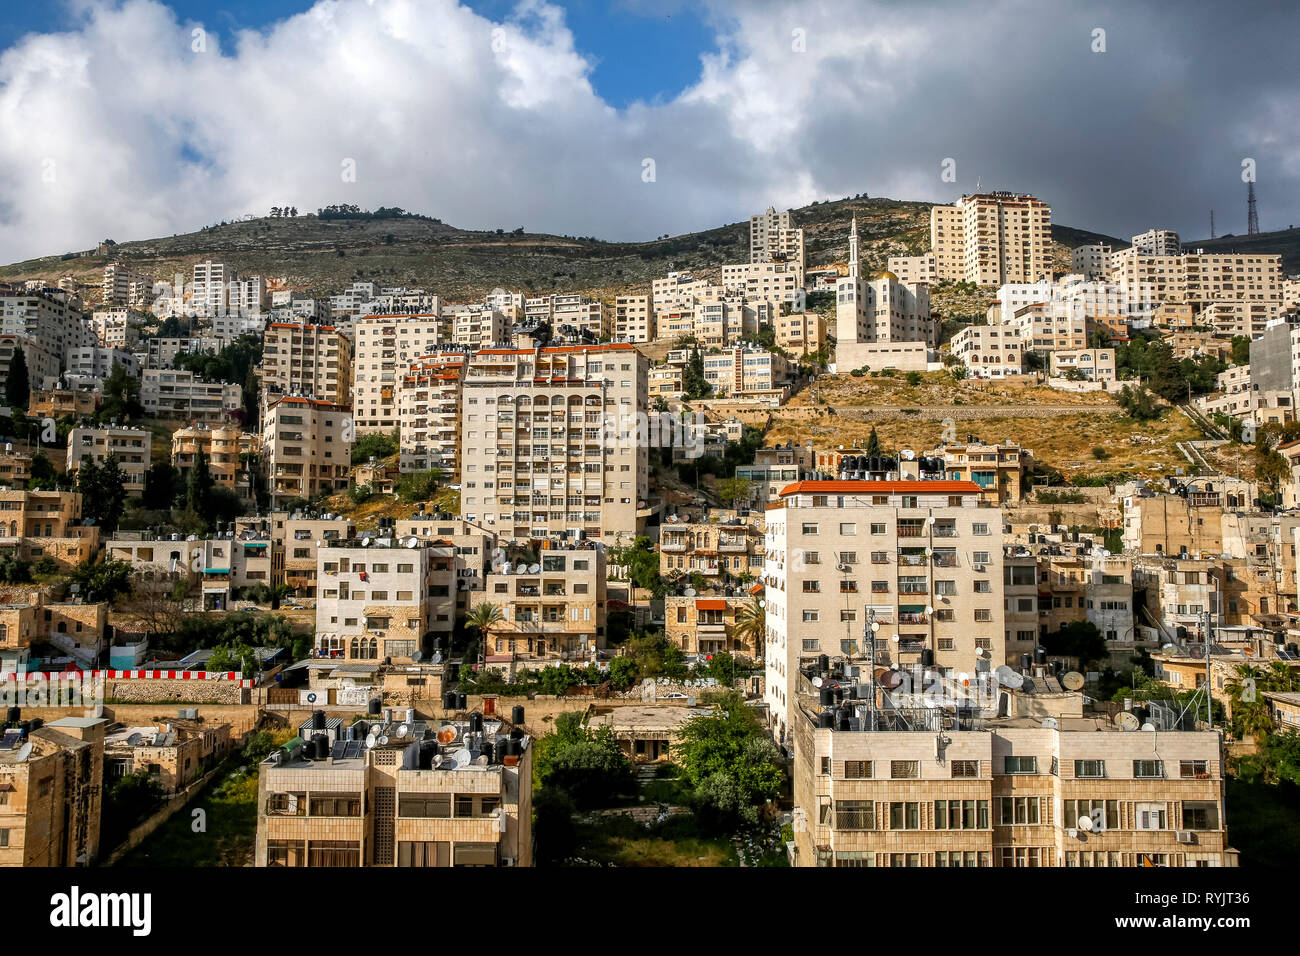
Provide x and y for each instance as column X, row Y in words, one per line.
column 134, row 740
column 365, row 542
column 446, row 734
column 413, row 542
column 481, row 760
column 370, row 741
column 689, row 592
column 24, row 751
column 1169, row 648
column 1051, row 723
column 1072, row 680
column 1085, row 823
column 382, row 740
column 460, row 759
column 1148, row 726
column 817, row 682
column 890, row 679
column 1008, row 677
column 907, row 454
column 1126, row 721
column 403, row 730
column 534, row 568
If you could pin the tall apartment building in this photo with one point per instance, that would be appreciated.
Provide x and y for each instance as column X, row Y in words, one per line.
column 249, row 296
column 131, row 446
column 429, row 402
column 175, row 393
column 306, row 448
column 379, row 596
column 314, row 361
column 92, row 364
column 920, row 558
column 780, row 283
column 1091, row 261
column 1041, row 785
column 48, row 320
column 384, row 346
column 634, row 321
column 874, row 314
column 1158, row 242
column 740, row 371
column 537, row 460
column 456, row 794
column 210, row 287
column 223, row 447
column 914, row 269
column 123, row 287
column 1202, row 280
column 764, row 231
column 53, row 793
column 477, row 326
column 553, row 609
column 992, row 238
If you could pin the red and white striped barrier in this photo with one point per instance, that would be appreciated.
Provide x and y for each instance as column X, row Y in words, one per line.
column 129, row 675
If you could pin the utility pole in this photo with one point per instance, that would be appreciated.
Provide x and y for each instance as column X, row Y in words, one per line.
column 869, row 639
column 1209, row 693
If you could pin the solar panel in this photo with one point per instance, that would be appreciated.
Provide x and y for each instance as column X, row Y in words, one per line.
column 355, row 748
column 337, row 751
column 10, row 740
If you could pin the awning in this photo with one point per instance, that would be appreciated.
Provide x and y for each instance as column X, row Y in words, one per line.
column 710, row 605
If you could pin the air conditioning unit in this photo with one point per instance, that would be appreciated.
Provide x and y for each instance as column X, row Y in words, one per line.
column 1185, row 836
column 507, row 861
column 841, row 567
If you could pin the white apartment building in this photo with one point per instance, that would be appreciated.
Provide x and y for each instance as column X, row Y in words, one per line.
column 780, row 283
column 922, row 559
column 429, row 401
column 131, row 447
column 123, row 287
column 306, row 448
column 174, row 393
column 989, row 351
column 1201, row 279
column 536, row 457
column 211, row 284
column 770, row 236
column 573, row 311
column 633, row 319
column 161, row 353
column 1158, row 242
column 384, row 346
column 992, row 238
column 381, row 596
column 873, row 314
column 914, row 269
column 95, row 363
column 314, row 361
column 1091, row 261
column 1095, row 365
column 740, row 371
column 45, row 318
column 112, row 328
column 477, row 326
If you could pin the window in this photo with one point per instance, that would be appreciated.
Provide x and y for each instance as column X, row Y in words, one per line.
column 979, row 527
column 965, row 769
column 1200, row 815
column 855, row 815
column 285, row 853
column 1103, row 813
column 1020, row 765
column 474, row 854
column 962, row 858
column 1090, row 768
column 1018, row 856
column 335, row 805
column 436, row 805
column 811, row 643
column 811, row 617
column 1151, row 816
column 857, row 770
column 961, row 814
column 1018, row 811
column 811, row 587
column 1194, row 769
column 905, row 816
column 826, row 766
column 905, row 769
column 337, row 853
column 423, row 853
column 1148, row 769
column 945, row 588
column 848, row 527
column 877, row 527
column 809, row 527
column 983, row 614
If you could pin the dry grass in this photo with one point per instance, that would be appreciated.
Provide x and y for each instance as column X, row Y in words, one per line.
column 939, row 388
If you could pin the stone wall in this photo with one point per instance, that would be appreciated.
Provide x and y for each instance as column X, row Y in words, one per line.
column 140, row 691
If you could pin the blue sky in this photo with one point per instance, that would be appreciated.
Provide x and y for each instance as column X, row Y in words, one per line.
column 640, row 52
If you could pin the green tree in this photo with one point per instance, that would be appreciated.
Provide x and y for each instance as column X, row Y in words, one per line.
column 622, row 672
column 1079, row 639
column 103, row 492
column 18, row 386
column 729, row 760
column 1240, row 350
column 735, row 490
column 694, row 384
column 14, row 571
column 121, row 397
column 376, row 445
column 162, row 485
column 1139, row 403
column 873, row 449
column 198, row 486
column 589, row 766
column 102, row 580
column 641, row 563
column 751, row 622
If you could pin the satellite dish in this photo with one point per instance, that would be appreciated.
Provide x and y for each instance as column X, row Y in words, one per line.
column 134, row 740
column 875, row 626
column 382, row 740
column 24, row 751
column 1085, row 823
column 1051, row 723
column 929, row 609
column 403, row 730
column 1072, row 680
column 447, row 734
column 1008, row 677
column 817, row 682
column 907, row 454
column 413, row 543
column 1148, row 726
column 890, row 679
column 1169, row 648
column 979, row 652
column 534, row 568
column 460, row 759
column 437, row 760
column 416, row 656
column 689, row 592
column 762, row 603
column 371, row 740
column 365, row 542
column 1126, row 721
column 481, row 760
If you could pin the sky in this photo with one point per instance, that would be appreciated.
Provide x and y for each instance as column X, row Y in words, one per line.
column 130, row 119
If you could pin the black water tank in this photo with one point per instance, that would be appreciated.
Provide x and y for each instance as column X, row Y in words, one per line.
column 453, row 672
column 516, row 714
column 927, row 657
column 843, row 723
column 475, row 723
column 359, row 730
column 13, row 715
column 514, row 747
column 1025, row 661
column 462, row 702
column 37, row 723
column 826, row 719
column 318, row 720
column 823, row 663
column 374, row 707
column 320, row 746
column 516, row 733
column 1040, row 655
column 826, row 697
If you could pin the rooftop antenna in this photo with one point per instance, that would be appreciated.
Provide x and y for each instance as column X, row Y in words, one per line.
column 1252, row 215
column 1211, row 223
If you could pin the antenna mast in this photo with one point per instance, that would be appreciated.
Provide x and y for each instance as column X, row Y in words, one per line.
column 1252, row 215
column 1211, row 223
column 869, row 638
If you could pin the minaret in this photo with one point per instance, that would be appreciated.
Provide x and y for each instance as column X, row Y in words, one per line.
column 853, row 249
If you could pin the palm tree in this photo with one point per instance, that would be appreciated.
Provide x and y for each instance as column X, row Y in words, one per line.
column 1281, row 677
column 1245, row 687
column 751, row 623
column 483, row 618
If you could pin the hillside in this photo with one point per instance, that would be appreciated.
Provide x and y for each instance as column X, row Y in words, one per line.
column 318, row 256
column 1284, row 242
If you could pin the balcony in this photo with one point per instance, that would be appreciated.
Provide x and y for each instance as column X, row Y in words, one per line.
column 733, row 545
column 911, row 531
column 673, row 547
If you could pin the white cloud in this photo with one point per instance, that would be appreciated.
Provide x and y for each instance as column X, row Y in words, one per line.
column 118, row 128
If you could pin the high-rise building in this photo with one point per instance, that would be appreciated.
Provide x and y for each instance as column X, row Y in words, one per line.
column 992, row 238
column 314, row 361
column 384, row 346
column 306, row 448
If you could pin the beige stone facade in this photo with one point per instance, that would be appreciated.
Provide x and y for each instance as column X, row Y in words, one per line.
column 992, row 238
column 306, row 448
column 131, row 446
column 314, row 361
